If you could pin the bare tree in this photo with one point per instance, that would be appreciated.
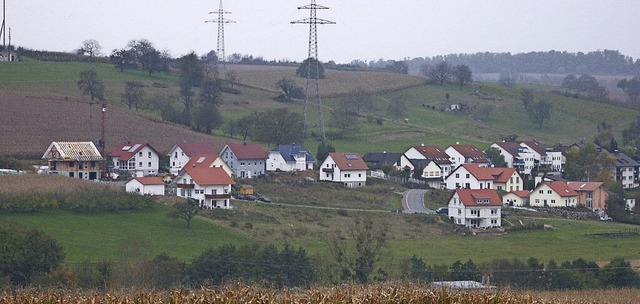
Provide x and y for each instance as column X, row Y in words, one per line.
column 90, row 47
column 462, row 73
column 440, row 73
column 133, row 94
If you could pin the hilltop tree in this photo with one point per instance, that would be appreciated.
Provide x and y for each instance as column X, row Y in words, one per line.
column 631, row 88
column 309, row 67
column 91, row 84
column 440, row 73
column 278, row 126
column 146, row 54
column 191, row 75
column 123, row 59
column 231, row 77
column 527, row 96
column 90, row 47
column 399, row 67
column 206, row 118
column 462, row 73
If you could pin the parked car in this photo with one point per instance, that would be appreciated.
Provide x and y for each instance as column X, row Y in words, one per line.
column 442, row 210
column 241, row 197
column 264, row 199
column 250, row 197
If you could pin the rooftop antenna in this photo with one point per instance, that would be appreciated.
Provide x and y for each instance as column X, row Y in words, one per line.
column 313, row 72
column 221, row 20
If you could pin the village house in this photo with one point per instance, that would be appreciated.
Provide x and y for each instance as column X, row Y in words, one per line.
column 181, row 153
column 74, row 159
column 466, row 154
column 210, row 187
column 245, row 160
column 137, row 159
column 434, row 153
column 346, row 168
column 546, row 156
column 626, row 171
column 590, row 194
column 516, row 198
column 212, row 160
column 150, row 185
column 473, row 176
column 289, row 158
column 427, row 170
column 378, row 161
column 553, row 194
column 476, row 208
column 517, row 156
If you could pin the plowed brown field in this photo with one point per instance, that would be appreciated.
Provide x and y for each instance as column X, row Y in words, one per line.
column 30, row 122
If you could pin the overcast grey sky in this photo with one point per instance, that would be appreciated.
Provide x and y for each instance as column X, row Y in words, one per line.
column 366, row 30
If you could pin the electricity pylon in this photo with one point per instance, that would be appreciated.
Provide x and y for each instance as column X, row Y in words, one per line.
column 221, row 20
column 313, row 71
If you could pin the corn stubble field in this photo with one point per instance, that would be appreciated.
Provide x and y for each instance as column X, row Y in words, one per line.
column 349, row 293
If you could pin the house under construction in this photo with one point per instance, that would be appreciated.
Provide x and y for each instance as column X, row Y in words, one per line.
column 74, row 159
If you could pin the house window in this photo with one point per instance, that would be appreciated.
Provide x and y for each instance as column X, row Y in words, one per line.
column 553, row 202
column 541, row 191
column 149, row 154
column 467, row 175
column 149, row 164
column 457, row 175
column 140, row 165
column 548, row 191
column 140, row 154
column 494, row 211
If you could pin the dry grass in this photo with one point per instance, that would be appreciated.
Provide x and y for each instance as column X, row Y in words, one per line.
column 30, row 122
column 337, row 83
column 374, row 293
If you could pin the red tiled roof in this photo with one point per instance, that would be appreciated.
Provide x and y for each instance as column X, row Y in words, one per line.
column 472, row 152
column 435, row 153
column 128, row 150
column 561, row 188
column 348, row 161
column 209, row 176
column 248, row 151
column 191, row 149
column 536, row 146
column 584, row 186
column 470, row 197
column 201, row 160
column 522, row 193
column 497, row 174
column 150, row 180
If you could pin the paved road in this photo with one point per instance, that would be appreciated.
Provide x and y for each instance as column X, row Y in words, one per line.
column 413, row 201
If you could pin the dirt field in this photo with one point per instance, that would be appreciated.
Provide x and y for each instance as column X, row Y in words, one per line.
column 30, row 122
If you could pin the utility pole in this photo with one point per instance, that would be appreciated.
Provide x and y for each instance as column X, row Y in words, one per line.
column 102, row 142
column 221, row 21
column 313, row 72
column 2, row 28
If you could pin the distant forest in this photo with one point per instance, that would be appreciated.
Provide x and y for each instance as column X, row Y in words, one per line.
column 607, row 62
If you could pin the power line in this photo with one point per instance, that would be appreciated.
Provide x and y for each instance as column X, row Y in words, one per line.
column 313, row 22
column 221, row 20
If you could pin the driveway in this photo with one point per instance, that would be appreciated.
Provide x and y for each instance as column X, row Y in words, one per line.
column 413, row 201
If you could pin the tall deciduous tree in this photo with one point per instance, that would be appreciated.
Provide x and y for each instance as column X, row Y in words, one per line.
column 539, row 112
column 91, row 84
column 631, row 88
column 440, row 73
column 147, row 55
column 186, row 210
column 497, row 160
column 90, row 47
column 133, row 94
column 289, row 89
column 206, row 118
column 462, row 73
column 210, row 92
column 191, row 75
column 278, row 126
column 586, row 164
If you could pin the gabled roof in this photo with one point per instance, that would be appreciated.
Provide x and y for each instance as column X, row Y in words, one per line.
column 247, row 151
column 72, row 151
column 521, row 193
column 434, row 152
column 191, row 149
column 422, row 163
column 475, row 197
column 379, row 160
column 128, row 150
column 536, row 146
column 348, row 161
column 201, row 160
column 511, row 147
column 149, row 180
column 208, row 176
column 584, row 186
column 623, row 160
column 471, row 152
column 288, row 152
column 561, row 188
column 497, row 174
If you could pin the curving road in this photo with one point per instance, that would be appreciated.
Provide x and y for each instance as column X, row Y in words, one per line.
column 413, row 201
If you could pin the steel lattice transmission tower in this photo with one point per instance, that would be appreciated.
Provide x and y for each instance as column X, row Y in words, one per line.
column 221, row 20
column 313, row 72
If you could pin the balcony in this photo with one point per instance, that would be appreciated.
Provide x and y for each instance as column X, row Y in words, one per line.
column 186, row 186
column 217, row 196
column 327, row 170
